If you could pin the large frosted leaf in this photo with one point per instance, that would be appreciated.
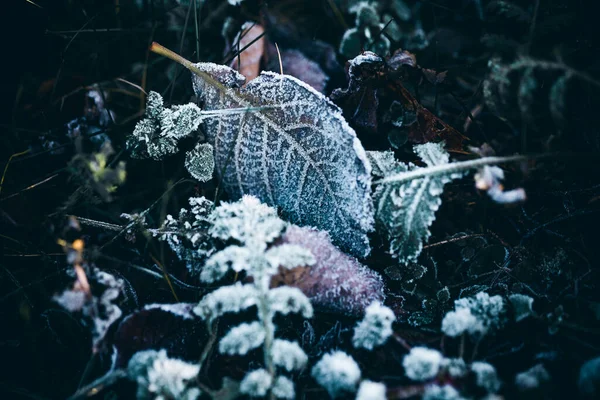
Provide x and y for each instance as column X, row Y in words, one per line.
column 296, row 153
column 405, row 208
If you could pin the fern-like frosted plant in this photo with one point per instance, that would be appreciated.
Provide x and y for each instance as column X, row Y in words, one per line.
column 251, row 227
column 407, row 196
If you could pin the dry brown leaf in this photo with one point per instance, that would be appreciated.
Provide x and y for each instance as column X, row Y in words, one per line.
column 248, row 61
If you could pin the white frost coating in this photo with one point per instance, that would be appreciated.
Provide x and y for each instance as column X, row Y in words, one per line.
column 288, row 355
column 371, row 391
column 488, row 310
column 200, row 162
column 455, row 367
column 337, row 372
column 486, row 376
column 257, row 383
column 406, row 210
column 422, row 364
column 446, row 392
column 183, row 310
column 298, row 153
column 283, row 388
column 457, row 322
column 523, row 306
column 375, row 328
column 242, row 338
column 287, row 300
column 366, row 57
column 234, row 299
column 290, row 256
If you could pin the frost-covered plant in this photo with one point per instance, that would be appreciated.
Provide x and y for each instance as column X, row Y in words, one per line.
column 162, row 378
column 475, row 315
column 422, row 364
column 486, row 376
column 250, row 227
column 188, row 234
column 375, row 328
column 445, row 392
column 369, row 390
column 522, row 306
column 337, row 372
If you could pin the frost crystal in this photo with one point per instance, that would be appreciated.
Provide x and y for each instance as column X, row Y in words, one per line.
column 337, row 372
column 288, row 355
column 486, row 376
column 533, row 378
column 446, row 392
column 283, row 388
column 287, row 300
column 242, row 338
column 297, row 153
column 371, row 391
column 200, row 162
column 227, row 299
column 257, row 383
column 162, row 378
column 455, row 367
column 422, row 364
column 375, row 328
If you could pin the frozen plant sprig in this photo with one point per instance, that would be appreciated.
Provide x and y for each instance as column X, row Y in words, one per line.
column 249, row 227
column 422, row 364
column 475, row 315
column 375, row 328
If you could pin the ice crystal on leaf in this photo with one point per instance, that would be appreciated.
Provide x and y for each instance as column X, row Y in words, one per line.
column 256, row 383
column 522, row 305
column 375, row 328
column 474, row 315
column 405, row 206
column 296, row 152
column 288, row 355
column 437, row 392
column 242, row 338
column 486, row 376
column 337, row 372
column 283, row 388
column 422, row 364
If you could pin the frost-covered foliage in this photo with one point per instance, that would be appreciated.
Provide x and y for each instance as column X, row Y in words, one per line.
column 532, row 379
column 200, row 162
column 375, row 328
column 157, row 135
column 297, row 152
column 422, row 364
column 486, row 376
column 337, row 372
column 475, row 315
column 336, row 282
column 365, row 33
column 250, row 227
column 405, row 203
column 445, row 392
column 589, row 379
column 162, row 378
column 188, row 234
column 371, row 391
column 522, row 306
column 100, row 309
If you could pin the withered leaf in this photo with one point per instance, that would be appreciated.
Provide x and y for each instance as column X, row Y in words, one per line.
column 248, row 60
column 296, row 153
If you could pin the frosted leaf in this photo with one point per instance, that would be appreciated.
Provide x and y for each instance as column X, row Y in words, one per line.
column 289, row 256
column 287, row 300
column 337, row 372
column 242, row 338
column 154, row 105
column 298, row 153
column 375, row 328
column 406, row 209
column 288, row 355
column 71, row 300
column 369, row 390
column 533, row 378
column 422, row 364
column 437, row 392
column 234, row 258
column 337, row 282
column 283, row 388
column 233, row 298
column 247, row 221
column 200, row 162
column 455, row 367
column 256, row 383
column 522, row 305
